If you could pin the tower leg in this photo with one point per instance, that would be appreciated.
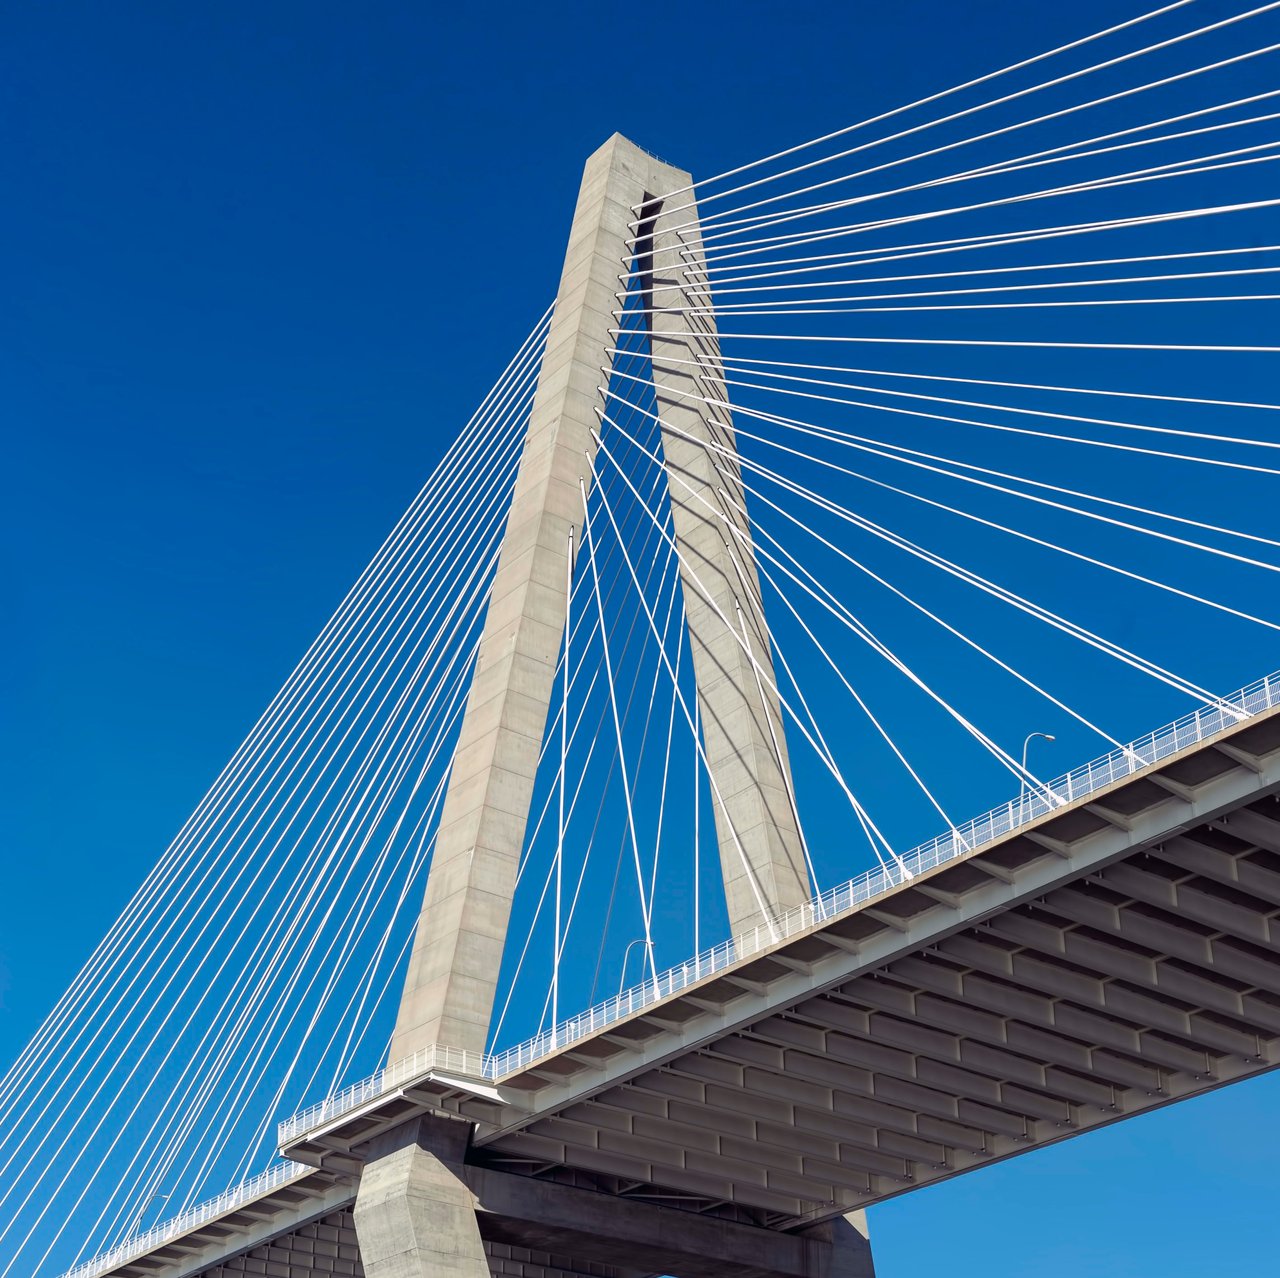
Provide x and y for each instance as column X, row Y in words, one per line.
column 762, row 853
column 453, row 968
column 415, row 1216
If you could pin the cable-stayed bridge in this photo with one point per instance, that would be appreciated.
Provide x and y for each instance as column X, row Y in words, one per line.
column 561, row 914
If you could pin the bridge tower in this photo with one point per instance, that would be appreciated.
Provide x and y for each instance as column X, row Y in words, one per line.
column 416, row 1212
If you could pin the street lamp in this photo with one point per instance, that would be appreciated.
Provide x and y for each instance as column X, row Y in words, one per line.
column 1031, row 736
column 622, row 980
column 155, row 1198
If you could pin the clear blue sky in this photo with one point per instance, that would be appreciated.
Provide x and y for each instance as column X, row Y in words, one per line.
column 259, row 263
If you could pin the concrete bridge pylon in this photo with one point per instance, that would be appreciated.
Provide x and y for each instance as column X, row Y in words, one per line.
column 420, row 1206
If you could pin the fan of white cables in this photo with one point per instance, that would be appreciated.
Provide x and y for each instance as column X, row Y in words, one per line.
column 1000, row 367
column 249, row 973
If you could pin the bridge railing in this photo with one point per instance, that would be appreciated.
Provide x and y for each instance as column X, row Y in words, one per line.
column 451, row 1059
column 140, row 1244
column 998, row 823
column 1034, row 802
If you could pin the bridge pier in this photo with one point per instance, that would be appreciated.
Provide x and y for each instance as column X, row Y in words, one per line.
column 414, row 1213
column 425, row 1209
column 849, row 1240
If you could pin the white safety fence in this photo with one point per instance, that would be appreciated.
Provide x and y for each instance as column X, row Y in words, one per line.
column 140, row 1244
column 451, row 1059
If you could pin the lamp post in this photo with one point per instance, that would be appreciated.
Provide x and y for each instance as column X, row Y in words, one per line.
column 142, row 1211
column 622, row 979
column 1031, row 736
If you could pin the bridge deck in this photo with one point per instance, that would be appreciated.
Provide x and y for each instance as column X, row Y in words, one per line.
column 1122, row 955
column 1118, row 954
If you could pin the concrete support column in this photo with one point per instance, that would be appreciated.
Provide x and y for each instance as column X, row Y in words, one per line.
column 843, row 1247
column 415, row 1216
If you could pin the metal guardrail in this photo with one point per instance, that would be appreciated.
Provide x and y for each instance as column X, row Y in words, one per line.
column 1190, row 729
column 139, row 1245
column 452, row 1059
